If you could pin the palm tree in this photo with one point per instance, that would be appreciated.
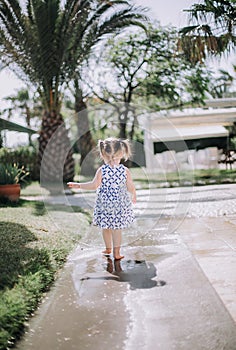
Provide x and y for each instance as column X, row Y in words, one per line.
column 45, row 43
column 212, row 30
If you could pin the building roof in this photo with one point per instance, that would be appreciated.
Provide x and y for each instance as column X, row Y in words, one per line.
column 188, row 133
column 221, row 102
column 189, row 117
column 7, row 125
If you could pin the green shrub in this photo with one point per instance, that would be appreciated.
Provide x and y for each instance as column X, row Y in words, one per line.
column 4, row 337
column 13, row 312
column 232, row 143
column 25, row 156
column 18, row 303
column 12, row 174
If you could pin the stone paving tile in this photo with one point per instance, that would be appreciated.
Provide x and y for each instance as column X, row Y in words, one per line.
column 212, row 242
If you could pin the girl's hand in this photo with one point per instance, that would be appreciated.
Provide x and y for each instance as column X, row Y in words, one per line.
column 134, row 199
column 73, row 184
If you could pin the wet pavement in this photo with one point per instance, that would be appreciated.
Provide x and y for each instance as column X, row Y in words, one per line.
column 175, row 288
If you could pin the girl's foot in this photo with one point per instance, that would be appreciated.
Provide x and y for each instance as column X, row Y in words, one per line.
column 119, row 257
column 107, row 251
column 116, row 254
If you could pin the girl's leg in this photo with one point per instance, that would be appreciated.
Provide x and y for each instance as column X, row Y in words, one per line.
column 107, row 237
column 116, row 238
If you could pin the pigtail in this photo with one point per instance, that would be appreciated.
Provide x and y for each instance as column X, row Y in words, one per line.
column 105, row 148
column 126, row 149
column 101, row 147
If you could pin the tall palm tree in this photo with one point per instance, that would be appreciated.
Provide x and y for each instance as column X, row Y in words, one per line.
column 212, row 30
column 45, row 42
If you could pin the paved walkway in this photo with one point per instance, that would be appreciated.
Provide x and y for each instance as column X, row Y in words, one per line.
column 175, row 289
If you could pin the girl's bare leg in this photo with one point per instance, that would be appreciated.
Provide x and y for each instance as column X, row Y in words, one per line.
column 116, row 238
column 107, row 237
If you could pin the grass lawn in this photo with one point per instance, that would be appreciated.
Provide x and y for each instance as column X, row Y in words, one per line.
column 33, row 248
column 203, row 177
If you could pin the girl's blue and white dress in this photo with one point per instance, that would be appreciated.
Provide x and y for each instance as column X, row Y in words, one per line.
column 113, row 206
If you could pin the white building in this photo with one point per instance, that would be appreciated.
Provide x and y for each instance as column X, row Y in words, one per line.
column 189, row 139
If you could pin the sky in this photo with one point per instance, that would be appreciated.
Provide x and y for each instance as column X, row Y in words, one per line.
column 168, row 11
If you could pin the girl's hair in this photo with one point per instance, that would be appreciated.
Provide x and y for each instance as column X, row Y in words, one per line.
column 111, row 146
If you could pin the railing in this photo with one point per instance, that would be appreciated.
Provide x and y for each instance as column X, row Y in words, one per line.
column 228, row 157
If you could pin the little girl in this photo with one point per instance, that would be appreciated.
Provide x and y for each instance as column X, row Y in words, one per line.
column 113, row 206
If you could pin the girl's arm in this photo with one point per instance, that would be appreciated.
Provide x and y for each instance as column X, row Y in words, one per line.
column 130, row 185
column 91, row 185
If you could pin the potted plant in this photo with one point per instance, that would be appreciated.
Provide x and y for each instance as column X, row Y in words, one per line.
column 10, row 178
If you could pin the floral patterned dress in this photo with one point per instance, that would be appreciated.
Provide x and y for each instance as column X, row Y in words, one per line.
column 113, row 206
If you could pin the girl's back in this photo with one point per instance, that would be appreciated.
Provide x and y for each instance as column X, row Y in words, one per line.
column 113, row 207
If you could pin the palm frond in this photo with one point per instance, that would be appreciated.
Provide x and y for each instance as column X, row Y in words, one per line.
column 91, row 25
column 188, row 29
column 213, row 29
column 121, row 19
column 48, row 42
column 11, row 22
column 212, row 8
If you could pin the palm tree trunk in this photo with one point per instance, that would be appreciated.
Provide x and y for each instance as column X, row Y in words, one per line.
column 134, row 123
column 55, row 153
column 85, row 140
column 123, row 118
column 122, row 129
column 27, row 112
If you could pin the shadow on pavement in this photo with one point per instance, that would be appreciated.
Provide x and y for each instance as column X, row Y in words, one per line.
column 138, row 273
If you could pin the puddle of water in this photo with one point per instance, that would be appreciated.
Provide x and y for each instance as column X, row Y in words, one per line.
column 138, row 273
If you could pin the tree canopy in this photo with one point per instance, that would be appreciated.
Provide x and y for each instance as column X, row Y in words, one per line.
column 144, row 71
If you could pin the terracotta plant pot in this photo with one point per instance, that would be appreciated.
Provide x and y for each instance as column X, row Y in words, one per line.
column 11, row 192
